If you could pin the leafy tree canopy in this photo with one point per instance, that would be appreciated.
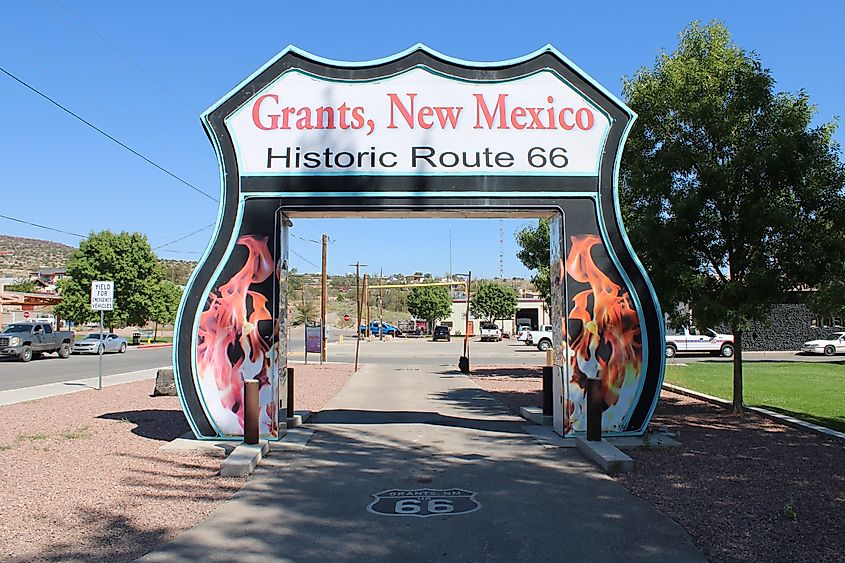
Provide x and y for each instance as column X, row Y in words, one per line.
column 494, row 301
column 732, row 197
column 431, row 303
column 534, row 254
column 128, row 261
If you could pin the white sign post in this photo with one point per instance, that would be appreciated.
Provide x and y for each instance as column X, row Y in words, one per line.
column 102, row 299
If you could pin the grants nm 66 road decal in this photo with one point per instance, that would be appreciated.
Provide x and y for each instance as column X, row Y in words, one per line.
column 424, row 502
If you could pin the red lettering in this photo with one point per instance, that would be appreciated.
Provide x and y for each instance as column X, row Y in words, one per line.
column 499, row 108
column 563, row 122
column 256, row 113
column 584, row 123
column 517, row 113
column 406, row 114
column 425, row 111
column 447, row 114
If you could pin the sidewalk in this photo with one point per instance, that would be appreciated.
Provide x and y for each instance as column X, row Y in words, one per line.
column 411, row 429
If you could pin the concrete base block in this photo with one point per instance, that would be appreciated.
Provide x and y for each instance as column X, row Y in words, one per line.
column 605, row 455
column 653, row 440
column 244, row 459
column 299, row 418
column 189, row 445
column 535, row 415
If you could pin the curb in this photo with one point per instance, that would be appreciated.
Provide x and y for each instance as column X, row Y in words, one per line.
column 771, row 415
column 145, row 346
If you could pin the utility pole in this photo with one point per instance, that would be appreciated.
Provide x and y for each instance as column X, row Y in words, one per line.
column 323, row 300
column 466, row 325
column 367, row 304
column 358, row 299
column 380, row 306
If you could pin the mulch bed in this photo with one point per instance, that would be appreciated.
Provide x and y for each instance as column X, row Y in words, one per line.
column 83, row 478
column 744, row 487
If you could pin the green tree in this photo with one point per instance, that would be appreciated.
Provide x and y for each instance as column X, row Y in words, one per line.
column 494, row 301
column 431, row 303
column 22, row 285
column 534, row 253
column 165, row 304
column 829, row 300
column 124, row 258
column 731, row 196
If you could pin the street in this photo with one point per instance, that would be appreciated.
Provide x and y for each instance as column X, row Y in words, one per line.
column 52, row 369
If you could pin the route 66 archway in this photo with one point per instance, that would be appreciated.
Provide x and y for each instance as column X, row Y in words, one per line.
column 418, row 134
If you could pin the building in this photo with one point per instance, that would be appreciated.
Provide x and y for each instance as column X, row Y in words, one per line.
column 529, row 310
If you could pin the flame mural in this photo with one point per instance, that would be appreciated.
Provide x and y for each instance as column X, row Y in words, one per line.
column 230, row 348
column 607, row 344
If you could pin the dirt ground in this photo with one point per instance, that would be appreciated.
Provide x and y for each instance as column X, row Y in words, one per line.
column 745, row 488
column 82, row 477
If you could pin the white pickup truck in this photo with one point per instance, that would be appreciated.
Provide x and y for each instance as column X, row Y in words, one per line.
column 542, row 338
column 690, row 339
column 490, row 332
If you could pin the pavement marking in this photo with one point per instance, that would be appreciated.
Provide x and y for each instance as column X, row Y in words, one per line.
column 422, row 503
column 13, row 396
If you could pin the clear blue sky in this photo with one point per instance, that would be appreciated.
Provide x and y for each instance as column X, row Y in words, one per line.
column 144, row 71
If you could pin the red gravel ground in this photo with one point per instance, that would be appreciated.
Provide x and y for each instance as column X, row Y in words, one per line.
column 82, row 477
column 745, row 488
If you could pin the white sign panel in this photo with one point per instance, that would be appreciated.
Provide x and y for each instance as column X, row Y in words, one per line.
column 418, row 123
column 102, row 295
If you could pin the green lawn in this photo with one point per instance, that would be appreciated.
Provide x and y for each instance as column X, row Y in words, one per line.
column 810, row 391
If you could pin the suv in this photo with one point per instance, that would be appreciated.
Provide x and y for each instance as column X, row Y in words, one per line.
column 441, row 333
column 690, row 339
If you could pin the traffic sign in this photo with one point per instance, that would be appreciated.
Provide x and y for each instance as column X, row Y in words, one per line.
column 26, row 314
column 102, row 295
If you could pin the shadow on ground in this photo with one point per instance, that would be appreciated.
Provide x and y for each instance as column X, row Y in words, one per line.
column 156, row 424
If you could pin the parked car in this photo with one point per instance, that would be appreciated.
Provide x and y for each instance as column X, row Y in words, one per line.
column 690, row 339
column 830, row 345
column 535, row 336
column 490, row 332
column 542, row 338
column 389, row 329
column 441, row 332
column 30, row 340
column 91, row 344
column 522, row 334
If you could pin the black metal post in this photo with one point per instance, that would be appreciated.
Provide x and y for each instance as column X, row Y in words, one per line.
column 547, row 390
column 290, row 393
column 594, row 410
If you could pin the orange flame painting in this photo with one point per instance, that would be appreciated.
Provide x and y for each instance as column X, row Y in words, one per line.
column 230, row 348
column 608, row 345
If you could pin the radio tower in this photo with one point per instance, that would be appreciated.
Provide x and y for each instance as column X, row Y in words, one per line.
column 501, row 250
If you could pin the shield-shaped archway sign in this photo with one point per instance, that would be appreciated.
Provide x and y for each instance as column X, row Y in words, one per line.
column 418, row 134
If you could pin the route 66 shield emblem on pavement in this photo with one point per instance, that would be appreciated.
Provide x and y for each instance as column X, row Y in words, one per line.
column 424, row 502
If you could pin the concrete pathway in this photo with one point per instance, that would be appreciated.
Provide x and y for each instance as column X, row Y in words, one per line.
column 414, row 429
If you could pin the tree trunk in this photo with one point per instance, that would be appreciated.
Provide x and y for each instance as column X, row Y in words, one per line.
column 737, row 397
column 155, row 332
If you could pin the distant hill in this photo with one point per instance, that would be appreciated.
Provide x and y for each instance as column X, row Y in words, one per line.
column 19, row 256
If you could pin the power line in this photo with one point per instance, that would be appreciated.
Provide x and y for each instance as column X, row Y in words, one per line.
column 124, row 55
column 184, row 237
column 94, row 127
column 304, row 258
column 41, row 226
column 305, row 239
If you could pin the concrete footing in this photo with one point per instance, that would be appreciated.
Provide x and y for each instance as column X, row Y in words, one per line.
column 299, row 418
column 605, row 455
column 535, row 415
column 244, row 459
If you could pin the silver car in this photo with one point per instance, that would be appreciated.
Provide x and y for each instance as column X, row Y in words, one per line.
column 91, row 344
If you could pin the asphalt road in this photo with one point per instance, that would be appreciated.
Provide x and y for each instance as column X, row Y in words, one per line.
column 52, row 369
